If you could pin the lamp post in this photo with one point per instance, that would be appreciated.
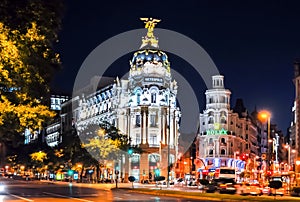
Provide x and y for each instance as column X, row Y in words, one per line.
column 234, row 160
column 169, row 135
column 288, row 147
column 266, row 116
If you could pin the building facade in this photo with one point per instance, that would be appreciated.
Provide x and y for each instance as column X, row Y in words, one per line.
column 227, row 137
column 142, row 106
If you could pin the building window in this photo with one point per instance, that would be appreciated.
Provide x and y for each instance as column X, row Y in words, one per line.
column 211, row 152
column 246, row 136
column 138, row 99
column 153, row 120
column 153, row 139
column 223, row 120
column 223, row 152
column 223, row 141
column 153, row 97
column 138, row 120
column 137, row 138
column 210, row 120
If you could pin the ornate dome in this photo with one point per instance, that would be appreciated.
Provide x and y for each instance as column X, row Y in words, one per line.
column 143, row 57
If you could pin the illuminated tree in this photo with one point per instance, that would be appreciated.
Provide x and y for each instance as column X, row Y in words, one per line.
column 28, row 30
column 39, row 156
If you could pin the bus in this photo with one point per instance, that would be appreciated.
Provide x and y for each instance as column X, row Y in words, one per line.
column 225, row 172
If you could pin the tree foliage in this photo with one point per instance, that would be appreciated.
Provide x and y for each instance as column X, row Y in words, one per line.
column 28, row 61
column 39, row 156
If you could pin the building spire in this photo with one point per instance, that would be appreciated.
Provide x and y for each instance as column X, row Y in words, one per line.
column 150, row 39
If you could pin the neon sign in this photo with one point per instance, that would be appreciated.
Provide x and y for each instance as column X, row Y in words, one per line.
column 216, row 132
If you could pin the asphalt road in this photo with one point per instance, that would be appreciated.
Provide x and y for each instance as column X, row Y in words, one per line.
column 17, row 191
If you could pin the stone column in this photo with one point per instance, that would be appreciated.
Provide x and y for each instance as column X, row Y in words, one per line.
column 127, row 168
column 144, row 167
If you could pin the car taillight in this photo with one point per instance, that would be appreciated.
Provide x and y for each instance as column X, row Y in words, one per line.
column 223, row 185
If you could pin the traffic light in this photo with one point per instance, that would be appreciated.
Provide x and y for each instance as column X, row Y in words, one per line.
column 130, row 151
column 70, row 172
column 244, row 157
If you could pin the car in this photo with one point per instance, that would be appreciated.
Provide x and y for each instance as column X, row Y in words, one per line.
column 295, row 191
column 243, row 189
column 255, row 190
column 210, row 188
column 227, row 188
column 266, row 190
column 273, row 192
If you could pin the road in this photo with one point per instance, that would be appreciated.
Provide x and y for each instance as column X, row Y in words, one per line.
column 17, row 191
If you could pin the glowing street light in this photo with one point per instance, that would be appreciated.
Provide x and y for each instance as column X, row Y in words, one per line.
column 265, row 116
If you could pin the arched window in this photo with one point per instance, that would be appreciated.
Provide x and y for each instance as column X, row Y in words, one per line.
column 211, row 141
column 222, row 99
column 138, row 99
column 211, row 152
column 223, row 152
column 223, row 120
column 153, row 97
column 210, row 120
column 223, row 140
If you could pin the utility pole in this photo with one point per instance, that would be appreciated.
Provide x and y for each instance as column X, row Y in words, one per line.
column 169, row 134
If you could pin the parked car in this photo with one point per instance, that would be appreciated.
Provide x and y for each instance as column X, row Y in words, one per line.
column 266, row 190
column 227, row 188
column 255, row 190
column 295, row 191
column 280, row 192
column 243, row 189
column 225, row 185
column 210, row 188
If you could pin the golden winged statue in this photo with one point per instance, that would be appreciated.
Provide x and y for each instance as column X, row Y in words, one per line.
column 150, row 24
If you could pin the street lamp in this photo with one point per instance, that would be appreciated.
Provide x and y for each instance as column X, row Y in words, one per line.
column 234, row 160
column 266, row 116
column 169, row 135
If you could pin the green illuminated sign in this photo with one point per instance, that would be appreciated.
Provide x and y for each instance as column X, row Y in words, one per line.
column 216, row 132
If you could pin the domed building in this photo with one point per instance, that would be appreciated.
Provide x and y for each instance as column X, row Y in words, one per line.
column 144, row 107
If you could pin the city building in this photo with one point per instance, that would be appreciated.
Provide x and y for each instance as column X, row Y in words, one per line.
column 296, row 109
column 143, row 107
column 227, row 137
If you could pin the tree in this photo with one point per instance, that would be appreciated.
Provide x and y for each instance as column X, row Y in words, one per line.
column 28, row 61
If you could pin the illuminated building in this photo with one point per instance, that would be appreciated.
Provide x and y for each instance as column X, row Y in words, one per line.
column 142, row 106
column 227, row 137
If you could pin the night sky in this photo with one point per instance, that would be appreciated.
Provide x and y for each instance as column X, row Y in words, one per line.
column 252, row 43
